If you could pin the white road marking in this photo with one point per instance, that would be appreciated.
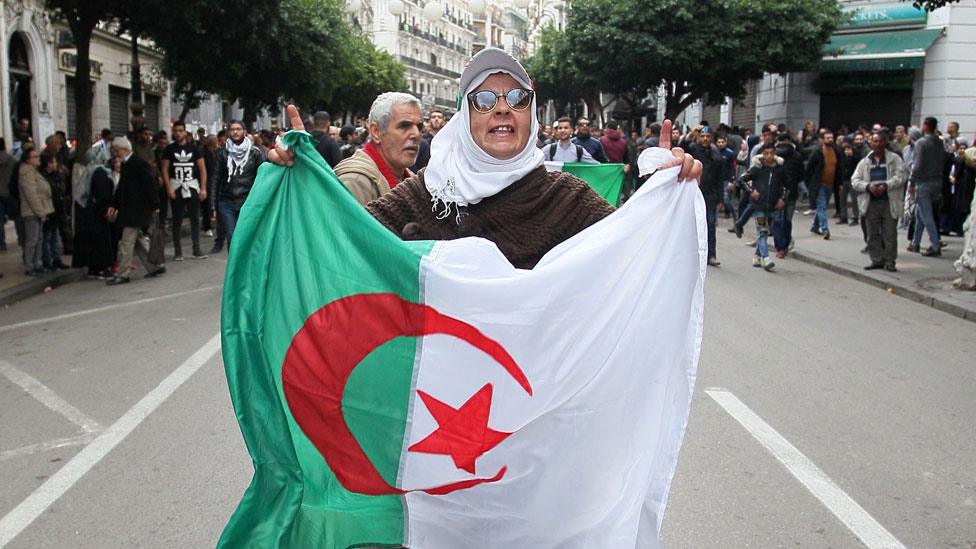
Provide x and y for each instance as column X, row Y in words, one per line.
column 47, row 446
column 863, row 525
column 60, row 482
column 48, row 397
column 66, row 316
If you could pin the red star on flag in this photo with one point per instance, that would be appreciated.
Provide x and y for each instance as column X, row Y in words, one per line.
column 462, row 433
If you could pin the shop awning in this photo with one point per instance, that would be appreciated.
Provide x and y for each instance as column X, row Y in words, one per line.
column 878, row 51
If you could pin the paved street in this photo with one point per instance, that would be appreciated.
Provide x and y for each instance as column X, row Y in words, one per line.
column 116, row 428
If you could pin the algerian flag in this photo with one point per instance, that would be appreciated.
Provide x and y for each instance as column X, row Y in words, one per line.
column 606, row 179
column 428, row 394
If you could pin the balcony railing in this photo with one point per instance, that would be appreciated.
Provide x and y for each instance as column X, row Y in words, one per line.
column 418, row 64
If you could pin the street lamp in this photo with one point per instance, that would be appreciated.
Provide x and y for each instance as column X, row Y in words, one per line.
column 433, row 11
column 395, row 7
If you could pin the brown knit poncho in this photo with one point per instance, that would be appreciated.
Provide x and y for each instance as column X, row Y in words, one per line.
column 525, row 220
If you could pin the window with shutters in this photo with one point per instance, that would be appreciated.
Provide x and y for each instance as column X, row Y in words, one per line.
column 118, row 110
column 152, row 112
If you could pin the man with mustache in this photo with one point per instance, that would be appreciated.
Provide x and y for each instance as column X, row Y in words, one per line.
column 395, row 125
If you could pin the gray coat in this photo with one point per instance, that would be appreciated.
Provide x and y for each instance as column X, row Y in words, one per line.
column 895, row 182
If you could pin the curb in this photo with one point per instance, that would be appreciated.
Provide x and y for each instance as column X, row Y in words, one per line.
column 37, row 285
column 896, row 288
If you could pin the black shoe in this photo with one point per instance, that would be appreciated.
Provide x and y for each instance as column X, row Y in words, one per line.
column 912, row 248
column 843, row 221
column 157, row 272
column 931, row 252
column 854, row 222
column 61, row 266
column 891, row 268
column 873, row 267
column 816, row 232
column 738, row 230
column 943, row 244
column 826, row 235
column 217, row 248
column 731, row 229
column 116, row 280
column 199, row 255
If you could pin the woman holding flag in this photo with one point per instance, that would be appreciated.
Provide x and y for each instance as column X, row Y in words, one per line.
column 486, row 176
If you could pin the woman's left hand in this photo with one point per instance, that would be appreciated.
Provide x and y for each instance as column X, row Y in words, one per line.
column 691, row 169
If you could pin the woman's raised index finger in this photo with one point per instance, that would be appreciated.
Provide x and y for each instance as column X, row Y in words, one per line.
column 294, row 118
column 664, row 140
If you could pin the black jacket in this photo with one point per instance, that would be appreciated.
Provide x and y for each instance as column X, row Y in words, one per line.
column 137, row 196
column 770, row 182
column 816, row 167
column 711, row 178
column 327, row 147
column 237, row 186
column 793, row 170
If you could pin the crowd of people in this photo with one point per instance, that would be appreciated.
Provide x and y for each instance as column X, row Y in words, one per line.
column 922, row 177
column 120, row 202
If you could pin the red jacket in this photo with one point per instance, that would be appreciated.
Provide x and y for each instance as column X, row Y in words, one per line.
column 615, row 146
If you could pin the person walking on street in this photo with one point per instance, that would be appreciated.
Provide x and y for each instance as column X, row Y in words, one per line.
column 823, row 174
column 235, row 170
column 928, row 166
column 185, row 180
column 767, row 195
column 36, row 207
column 792, row 177
column 8, row 205
column 880, row 179
column 136, row 202
column 711, row 184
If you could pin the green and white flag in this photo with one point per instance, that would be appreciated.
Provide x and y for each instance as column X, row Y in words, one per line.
column 430, row 395
column 606, row 179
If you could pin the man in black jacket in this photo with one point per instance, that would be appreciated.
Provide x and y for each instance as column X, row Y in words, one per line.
column 793, row 173
column 711, row 183
column 136, row 202
column 234, row 172
column 324, row 143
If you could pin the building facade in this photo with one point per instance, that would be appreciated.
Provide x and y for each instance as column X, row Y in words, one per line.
column 892, row 64
column 37, row 64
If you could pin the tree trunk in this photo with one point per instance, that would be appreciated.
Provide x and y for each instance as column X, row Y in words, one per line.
column 82, row 32
column 250, row 115
column 185, row 111
column 136, row 105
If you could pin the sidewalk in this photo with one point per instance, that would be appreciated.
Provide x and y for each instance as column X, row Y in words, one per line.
column 926, row 280
column 15, row 285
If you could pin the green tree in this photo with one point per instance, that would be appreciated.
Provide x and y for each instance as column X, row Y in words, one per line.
column 82, row 16
column 929, row 5
column 696, row 50
column 364, row 73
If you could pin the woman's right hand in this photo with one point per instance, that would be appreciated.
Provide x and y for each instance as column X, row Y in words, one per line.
column 280, row 154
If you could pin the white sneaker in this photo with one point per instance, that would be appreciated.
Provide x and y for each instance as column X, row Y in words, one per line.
column 808, row 212
column 208, row 232
column 756, row 261
column 768, row 264
column 751, row 243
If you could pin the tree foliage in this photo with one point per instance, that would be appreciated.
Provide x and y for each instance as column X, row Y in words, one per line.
column 703, row 49
column 930, row 5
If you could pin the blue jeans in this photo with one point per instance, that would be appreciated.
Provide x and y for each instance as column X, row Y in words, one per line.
column 51, row 244
column 727, row 201
column 711, row 215
column 762, row 233
column 229, row 211
column 783, row 226
column 925, row 196
column 820, row 220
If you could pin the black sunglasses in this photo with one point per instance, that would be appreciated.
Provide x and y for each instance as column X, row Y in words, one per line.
column 518, row 99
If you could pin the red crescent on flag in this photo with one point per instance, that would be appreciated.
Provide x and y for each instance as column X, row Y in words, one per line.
column 325, row 351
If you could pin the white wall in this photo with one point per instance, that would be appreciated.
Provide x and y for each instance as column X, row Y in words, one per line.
column 948, row 81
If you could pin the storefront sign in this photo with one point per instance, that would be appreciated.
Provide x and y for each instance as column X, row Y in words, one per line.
column 885, row 15
column 68, row 62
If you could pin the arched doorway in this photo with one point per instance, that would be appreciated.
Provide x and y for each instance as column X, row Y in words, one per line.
column 20, row 88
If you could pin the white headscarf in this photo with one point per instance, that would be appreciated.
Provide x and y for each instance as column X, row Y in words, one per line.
column 460, row 172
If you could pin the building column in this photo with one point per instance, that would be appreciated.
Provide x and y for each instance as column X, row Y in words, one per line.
column 5, row 128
